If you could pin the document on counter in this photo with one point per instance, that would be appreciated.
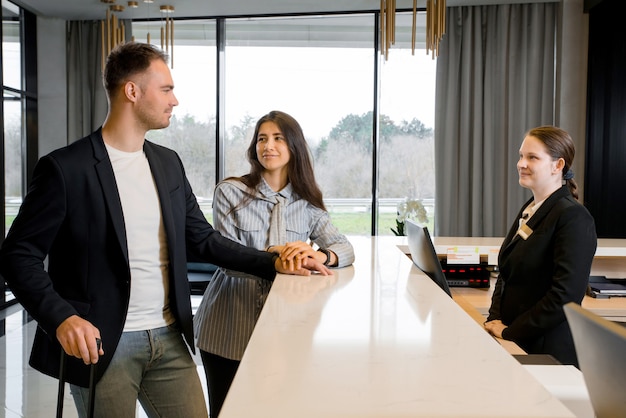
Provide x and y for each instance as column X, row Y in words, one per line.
column 492, row 257
column 463, row 255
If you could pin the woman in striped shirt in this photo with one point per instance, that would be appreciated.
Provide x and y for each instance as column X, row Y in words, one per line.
column 277, row 206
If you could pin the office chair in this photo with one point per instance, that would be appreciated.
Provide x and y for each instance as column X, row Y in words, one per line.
column 601, row 350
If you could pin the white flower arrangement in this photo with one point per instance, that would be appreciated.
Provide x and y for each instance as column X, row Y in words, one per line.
column 409, row 209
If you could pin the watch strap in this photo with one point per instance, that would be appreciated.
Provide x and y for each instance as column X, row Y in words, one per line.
column 327, row 253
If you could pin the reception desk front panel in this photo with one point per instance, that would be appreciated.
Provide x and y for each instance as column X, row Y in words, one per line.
column 377, row 339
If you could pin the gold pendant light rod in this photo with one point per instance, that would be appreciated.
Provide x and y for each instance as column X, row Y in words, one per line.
column 387, row 26
column 414, row 27
column 435, row 26
column 113, row 31
column 167, row 32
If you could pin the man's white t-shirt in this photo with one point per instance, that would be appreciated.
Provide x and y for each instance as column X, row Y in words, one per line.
column 145, row 236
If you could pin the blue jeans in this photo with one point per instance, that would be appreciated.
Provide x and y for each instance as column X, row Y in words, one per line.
column 153, row 366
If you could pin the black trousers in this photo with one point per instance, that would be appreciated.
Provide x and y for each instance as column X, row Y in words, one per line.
column 220, row 372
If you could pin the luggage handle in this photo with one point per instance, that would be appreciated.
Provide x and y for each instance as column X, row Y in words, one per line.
column 92, row 384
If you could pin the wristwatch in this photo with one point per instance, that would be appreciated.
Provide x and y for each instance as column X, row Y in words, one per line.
column 327, row 262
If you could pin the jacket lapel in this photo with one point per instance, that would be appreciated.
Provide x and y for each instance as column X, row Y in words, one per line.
column 546, row 207
column 512, row 237
column 536, row 219
column 106, row 176
column 160, row 180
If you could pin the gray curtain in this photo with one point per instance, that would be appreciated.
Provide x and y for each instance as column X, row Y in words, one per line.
column 86, row 101
column 495, row 80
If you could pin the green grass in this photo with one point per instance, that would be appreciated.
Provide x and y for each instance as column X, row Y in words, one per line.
column 8, row 221
column 361, row 223
column 353, row 223
column 348, row 223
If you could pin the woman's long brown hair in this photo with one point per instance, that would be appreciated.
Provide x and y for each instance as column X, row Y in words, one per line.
column 299, row 168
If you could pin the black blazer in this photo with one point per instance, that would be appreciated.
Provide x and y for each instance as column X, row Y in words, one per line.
column 544, row 272
column 72, row 214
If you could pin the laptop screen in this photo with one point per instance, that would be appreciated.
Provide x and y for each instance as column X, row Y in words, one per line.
column 424, row 255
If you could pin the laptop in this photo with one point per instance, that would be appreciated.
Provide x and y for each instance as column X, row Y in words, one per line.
column 424, row 255
column 601, row 350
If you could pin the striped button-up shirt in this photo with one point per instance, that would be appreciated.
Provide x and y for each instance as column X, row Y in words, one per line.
column 233, row 301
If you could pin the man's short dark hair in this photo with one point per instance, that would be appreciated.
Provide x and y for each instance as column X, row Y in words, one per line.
column 126, row 60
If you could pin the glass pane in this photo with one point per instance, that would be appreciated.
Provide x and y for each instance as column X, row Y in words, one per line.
column 319, row 70
column 12, row 116
column 11, row 46
column 407, row 107
column 12, row 157
column 192, row 129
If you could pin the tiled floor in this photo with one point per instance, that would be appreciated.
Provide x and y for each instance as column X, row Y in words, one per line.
column 24, row 391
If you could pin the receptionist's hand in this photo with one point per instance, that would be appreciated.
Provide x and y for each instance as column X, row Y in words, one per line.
column 495, row 327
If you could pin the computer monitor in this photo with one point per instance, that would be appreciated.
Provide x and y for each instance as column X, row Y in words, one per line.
column 600, row 348
column 424, row 255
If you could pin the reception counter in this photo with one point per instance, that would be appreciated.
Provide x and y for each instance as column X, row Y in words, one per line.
column 609, row 261
column 378, row 339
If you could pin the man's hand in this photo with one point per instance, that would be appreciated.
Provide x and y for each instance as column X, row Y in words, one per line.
column 78, row 338
column 302, row 266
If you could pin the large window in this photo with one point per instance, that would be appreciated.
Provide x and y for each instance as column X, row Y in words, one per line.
column 13, row 137
column 192, row 130
column 406, row 144
column 359, row 112
column 322, row 71
column 12, row 114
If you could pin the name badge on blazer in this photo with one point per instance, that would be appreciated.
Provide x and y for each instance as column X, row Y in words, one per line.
column 524, row 231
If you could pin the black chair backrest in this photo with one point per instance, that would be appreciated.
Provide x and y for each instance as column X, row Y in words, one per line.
column 601, row 350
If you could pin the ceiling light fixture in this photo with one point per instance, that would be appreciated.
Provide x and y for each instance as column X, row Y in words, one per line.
column 435, row 25
column 387, row 26
column 112, row 32
column 167, row 31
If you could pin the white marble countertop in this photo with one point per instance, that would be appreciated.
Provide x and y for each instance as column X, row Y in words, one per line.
column 567, row 384
column 377, row 339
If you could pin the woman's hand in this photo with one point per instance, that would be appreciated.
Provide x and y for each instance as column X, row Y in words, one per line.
column 294, row 249
column 495, row 327
column 292, row 253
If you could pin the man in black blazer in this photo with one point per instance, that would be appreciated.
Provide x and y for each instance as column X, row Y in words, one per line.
column 117, row 252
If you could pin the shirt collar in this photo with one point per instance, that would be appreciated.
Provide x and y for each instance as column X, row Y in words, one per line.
column 267, row 191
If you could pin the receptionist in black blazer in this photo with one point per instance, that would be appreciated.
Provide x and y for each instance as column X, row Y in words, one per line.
column 546, row 257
